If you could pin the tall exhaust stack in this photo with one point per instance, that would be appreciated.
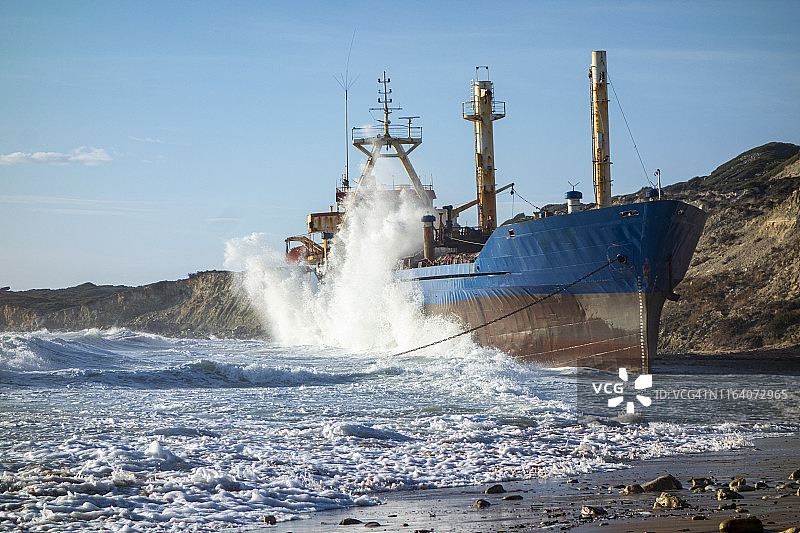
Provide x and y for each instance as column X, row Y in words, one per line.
column 482, row 110
column 601, row 149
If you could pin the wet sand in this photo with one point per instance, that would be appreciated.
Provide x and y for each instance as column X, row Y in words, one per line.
column 555, row 505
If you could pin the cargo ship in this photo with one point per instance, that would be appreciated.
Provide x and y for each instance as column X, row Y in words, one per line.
column 584, row 288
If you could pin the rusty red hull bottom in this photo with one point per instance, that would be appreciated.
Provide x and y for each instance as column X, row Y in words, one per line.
column 602, row 331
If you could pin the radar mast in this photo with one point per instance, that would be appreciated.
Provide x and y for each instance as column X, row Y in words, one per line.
column 390, row 141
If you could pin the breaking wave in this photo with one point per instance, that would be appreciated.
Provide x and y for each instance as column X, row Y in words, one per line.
column 122, row 358
column 357, row 304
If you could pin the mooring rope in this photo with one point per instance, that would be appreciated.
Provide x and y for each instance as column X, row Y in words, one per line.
column 526, row 201
column 619, row 258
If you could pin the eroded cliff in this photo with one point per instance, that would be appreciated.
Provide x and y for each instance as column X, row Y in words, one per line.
column 206, row 303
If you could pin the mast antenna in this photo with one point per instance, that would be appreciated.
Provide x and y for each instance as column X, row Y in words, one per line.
column 385, row 99
column 345, row 83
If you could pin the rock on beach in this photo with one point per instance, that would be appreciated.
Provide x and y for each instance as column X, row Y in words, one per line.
column 740, row 485
column 633, row 489
column 590, row 510
column 662, row 483
column 742, row 525
column 727, row 494
column 701, row 482
column 668, row 501
column 495, row 489
column 481, row 504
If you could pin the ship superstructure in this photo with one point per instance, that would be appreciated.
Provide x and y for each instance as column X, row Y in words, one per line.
column 386, row 140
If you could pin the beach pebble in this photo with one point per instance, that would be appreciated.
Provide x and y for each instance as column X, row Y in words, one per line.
column 481, row 504
column 668, row 501
column 372, row 524
column 761, row 485
column 791, row 530
column 270, row 520
column 795, row 475
column 699, row 517
column 572, row 480
column 740, row 485
column 349, row 522
column 513, row 497
column 727, row 494
column 667, row 482
column 590, row 510
column 741, row 525
column 495, row 489
column 633, row 489
column 727, row 506
column 701, row 482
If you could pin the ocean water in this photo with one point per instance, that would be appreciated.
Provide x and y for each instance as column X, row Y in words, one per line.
column 123, row 431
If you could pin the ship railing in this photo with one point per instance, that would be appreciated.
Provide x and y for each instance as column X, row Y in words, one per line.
column 342, row 192
column 469, row 110
column 402, row 187
column 466, row 231
column 411, row 134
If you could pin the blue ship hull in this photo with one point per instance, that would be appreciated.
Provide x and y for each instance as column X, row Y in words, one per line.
column 606, row 321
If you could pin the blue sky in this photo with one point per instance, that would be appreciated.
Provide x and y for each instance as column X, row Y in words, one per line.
column 137, row 137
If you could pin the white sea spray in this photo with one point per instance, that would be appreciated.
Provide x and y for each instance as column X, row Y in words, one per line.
column 357, row 304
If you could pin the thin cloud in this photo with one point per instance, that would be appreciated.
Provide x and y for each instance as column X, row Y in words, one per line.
column 77, row 206
column 119, row 212
column 85, row 155
column 146, row 140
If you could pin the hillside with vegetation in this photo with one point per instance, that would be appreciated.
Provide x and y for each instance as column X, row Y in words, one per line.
column 742, row 290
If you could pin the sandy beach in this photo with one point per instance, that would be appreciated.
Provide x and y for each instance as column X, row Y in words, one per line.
column 556, row 504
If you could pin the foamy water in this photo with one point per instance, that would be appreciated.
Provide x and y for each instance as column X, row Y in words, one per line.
column 356, row 305
column 122, row 431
